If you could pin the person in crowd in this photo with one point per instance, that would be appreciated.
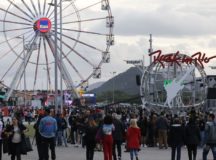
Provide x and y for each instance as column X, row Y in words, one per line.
column 152, row 130
column 62, row 125
column 143, row 123
column 133, row 139
column 210, row 137
column 162, row 127
column 202, row 130
column 1, row 130
column 73, row 126
column 90, row 142
column 107, row 139
column 118, row 134
column 192, row 138
column 47, row 129
column 15, row 135
column 38, row 137
column 176, row 138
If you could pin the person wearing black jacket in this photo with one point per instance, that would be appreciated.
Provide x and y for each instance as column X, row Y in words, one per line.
column 90, row 141
column 176, row 138
column 143, row 123
column 192, row 138
column 15, row 134
column 117, row 136
column 38, row 137
column 72, row 123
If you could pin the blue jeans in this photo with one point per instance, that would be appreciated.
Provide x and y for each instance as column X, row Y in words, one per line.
column 202, row 136
column 59, row 138
column 173, row 153
column 206, row 151
column 133, row 152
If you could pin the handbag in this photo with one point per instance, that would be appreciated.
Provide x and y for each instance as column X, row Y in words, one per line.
column 5, row 143
column 28, row 144
column 99, row 135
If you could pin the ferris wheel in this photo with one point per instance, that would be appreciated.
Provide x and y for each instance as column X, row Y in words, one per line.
column 84, row 36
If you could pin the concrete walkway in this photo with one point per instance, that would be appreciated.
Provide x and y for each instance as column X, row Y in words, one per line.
column 78, row 153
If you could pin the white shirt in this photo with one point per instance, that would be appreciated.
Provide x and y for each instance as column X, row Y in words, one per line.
column 17, row 135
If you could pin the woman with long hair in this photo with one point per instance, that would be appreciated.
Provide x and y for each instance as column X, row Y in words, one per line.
column 133, row 139
column 90, row 132
column 15, row 134
column 107, row 139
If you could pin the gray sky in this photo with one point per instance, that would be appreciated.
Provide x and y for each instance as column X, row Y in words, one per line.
column 176, row 25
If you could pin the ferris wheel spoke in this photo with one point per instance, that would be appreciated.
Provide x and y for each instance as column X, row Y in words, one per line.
column 71, row 64
column 47, row 60
column 11, row 30
column 48, row 9
column 51, row 17
column 83, row 43
column 65, row 7
column 4, row 54
column 85, row 20
column 37, row 63
column 77, row 53
column 80, row 31
column 11, row 66
column 52, row 12
column 23, row 1
column 14, row 22
column 65, row 74
column 82, row 9
column 20, row 9
column 33, row 5
column 16, row 15
column 39, row 7
column 15, row 37
column 44, row 7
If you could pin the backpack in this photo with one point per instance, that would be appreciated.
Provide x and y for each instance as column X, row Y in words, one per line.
column 63, row 123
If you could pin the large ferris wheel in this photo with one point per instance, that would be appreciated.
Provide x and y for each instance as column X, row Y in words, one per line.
column 84, row 36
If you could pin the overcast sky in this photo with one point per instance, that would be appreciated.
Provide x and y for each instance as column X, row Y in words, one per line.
column 176, row 25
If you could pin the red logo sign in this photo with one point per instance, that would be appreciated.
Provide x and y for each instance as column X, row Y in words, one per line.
column 44, row 25
column 198, row 58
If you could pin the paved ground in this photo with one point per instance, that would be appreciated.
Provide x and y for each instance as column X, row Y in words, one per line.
column 74, row 153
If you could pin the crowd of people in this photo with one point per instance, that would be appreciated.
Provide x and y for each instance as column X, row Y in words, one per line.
column 110, row 130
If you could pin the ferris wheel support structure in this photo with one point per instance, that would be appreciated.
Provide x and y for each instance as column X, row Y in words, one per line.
column 21, row 69
column 65, row 75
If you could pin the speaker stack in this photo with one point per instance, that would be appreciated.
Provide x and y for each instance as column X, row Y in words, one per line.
column 211, row 94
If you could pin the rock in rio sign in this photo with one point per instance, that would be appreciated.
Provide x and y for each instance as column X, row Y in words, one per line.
column 198, row 58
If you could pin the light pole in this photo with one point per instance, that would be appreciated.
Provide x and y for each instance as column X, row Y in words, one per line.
column 61, row 55
column 113, row 92
column 56, row 58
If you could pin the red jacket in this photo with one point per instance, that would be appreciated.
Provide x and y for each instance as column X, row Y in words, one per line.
column 133, row 138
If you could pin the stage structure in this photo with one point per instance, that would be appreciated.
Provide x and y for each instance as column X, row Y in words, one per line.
column 175, row 80
column 84, row 38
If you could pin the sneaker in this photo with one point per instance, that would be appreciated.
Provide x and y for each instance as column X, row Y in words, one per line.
column 76, row 145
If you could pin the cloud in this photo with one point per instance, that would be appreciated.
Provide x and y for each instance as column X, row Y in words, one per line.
column 167, row 19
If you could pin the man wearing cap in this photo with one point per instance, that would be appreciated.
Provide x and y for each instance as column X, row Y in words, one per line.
column 47, row 129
